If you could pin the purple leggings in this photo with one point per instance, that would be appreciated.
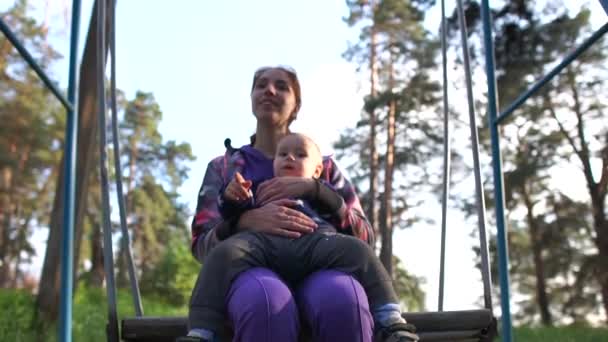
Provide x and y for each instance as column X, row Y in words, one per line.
column 331, row 304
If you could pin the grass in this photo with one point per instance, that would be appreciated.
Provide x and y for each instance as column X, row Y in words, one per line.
column 89, row 315
column 561, row 334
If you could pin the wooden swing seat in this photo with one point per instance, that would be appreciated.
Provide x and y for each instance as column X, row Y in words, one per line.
column 466, row 325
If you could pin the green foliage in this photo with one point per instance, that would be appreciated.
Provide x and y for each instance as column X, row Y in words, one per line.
column 174, row 276
column 153, row 210
column 143, row 147
column 88, row 320
column 30, row 149
column 408, row 287
column 153, row 172
column 30, row 141
column 17, row 314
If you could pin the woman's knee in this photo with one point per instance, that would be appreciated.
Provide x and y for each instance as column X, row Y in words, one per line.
column 259, row 297
column 333, row 290
column 335, row 305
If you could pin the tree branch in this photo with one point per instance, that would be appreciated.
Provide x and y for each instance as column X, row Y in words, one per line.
column 580, row 125
column 603, row 184
column 583, row 153
column 549, row 106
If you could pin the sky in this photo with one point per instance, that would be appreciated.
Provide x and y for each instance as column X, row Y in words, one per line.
column 198, row 58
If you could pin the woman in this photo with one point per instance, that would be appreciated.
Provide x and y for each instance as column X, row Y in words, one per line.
column 260, row 305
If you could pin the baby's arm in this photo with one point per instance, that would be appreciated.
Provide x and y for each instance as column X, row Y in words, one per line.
column 325, row 200
column 238, row 190
column 236, row 197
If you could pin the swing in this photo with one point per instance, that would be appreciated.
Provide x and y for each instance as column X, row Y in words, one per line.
column 466, row 325
column 477, row 325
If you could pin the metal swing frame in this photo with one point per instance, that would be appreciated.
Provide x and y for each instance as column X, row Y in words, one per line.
column 477, row 325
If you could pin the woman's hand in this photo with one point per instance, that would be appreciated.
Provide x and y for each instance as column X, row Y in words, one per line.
column 283, row 187
column 277, row 218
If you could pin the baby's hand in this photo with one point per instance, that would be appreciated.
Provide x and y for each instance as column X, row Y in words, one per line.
column 238, row 189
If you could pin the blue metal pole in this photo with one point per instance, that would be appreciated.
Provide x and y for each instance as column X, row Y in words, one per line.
column 549, row 76
column 501, row 234
column 71, row 134
column 605, row 5
column 30, row 60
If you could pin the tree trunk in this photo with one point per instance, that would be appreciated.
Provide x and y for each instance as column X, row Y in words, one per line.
column 6, row 209
column 19, row 244
column 597, row 190
column 542, row 298
column 4, row 247
column 123, row 275
column 47, row 302
column 373, row 165
column 17, row 271
column 600, row 224
column 386, row 251
column 97, row 270
column 11, row 186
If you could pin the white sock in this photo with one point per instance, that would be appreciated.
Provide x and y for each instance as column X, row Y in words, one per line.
column 387, row 314
column 202, row 333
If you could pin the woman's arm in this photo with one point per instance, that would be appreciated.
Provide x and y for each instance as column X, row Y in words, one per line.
column 277, row 218
column 208, row 226
column 333, row 195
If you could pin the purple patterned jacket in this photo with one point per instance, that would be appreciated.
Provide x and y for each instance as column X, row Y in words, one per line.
column 208, row 220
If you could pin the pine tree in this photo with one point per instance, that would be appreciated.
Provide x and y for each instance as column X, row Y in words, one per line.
column 155, row 171
column 29, row 142
column 405, row 54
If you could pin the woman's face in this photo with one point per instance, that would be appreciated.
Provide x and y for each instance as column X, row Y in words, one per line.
column 272, row 98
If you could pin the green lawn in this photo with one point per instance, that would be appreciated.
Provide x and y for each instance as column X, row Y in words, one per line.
column 561, row 334
column 89, row 315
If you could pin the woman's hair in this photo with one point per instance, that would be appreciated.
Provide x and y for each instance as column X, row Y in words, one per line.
column 293, row 80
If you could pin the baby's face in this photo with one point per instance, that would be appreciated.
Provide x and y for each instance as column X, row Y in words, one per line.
column 297, row 157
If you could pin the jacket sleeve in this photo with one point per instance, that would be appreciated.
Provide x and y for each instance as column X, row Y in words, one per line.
column 349, row 218
column 208, row 226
